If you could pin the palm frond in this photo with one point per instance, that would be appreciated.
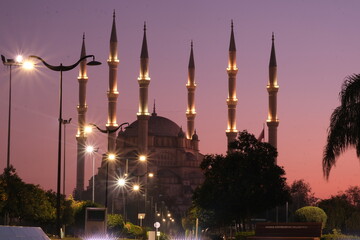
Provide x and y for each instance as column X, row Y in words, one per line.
column 344, row 129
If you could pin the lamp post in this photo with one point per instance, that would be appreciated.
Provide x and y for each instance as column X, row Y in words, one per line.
column 121, row 182
column 61, row 68
column 91, row 150
column 110, row 157
column 108, row 131
column 10, row 63
column 65, row 122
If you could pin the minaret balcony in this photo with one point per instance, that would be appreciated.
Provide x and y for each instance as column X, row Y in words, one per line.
column 113, row 60
column 83, row 78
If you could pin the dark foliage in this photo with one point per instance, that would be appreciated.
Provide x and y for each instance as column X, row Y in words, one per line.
column 344, row 129
column 243, row 183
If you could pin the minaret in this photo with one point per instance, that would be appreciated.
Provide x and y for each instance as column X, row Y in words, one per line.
column 112, row 93
column 144, row 81
column 191, row 86
column 232, row 70
column 81, row 136
column 272, row 88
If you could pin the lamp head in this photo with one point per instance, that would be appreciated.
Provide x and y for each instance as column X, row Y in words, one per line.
column 93, row 62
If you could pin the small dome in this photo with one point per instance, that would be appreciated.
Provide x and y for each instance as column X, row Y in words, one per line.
column 195, row 137
column 181, row 133
column 158, row 126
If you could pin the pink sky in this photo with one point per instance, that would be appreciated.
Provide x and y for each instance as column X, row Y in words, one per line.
column 317, row 45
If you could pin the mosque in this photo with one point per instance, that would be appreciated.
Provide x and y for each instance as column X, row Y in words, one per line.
column 154, row 153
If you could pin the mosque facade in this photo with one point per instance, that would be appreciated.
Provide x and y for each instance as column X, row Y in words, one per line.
column 153, row 152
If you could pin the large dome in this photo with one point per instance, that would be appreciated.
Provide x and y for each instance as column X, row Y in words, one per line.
column 158, row 126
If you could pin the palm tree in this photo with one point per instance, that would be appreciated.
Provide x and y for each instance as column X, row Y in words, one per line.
column 344, row 129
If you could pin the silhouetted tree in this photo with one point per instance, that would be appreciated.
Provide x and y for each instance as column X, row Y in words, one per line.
column 301, row 196
column 26, row 204
column 338, row 209
column 344, row 129
column 244, row 183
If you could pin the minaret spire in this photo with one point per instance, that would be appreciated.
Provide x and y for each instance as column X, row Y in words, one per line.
column 112, row 93
column 191, row 86
column 143, row 114
column 144, row 81
column 81, row 136
column 231, row 101
column 272, row 88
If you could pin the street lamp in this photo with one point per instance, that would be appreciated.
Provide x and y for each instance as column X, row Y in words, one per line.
column 65, row 122
column 61, row 68
column 121, row 182
column 10, row 63
column 91, row 150
column 110, row 157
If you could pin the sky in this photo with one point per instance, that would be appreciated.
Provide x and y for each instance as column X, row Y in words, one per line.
column 317, row 46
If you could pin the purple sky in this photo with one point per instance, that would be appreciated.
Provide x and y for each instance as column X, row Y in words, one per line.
column 317, row 45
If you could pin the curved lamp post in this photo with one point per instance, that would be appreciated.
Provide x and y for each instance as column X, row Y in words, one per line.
column 91, row 150
column 61, row 68
column 9, row 62
column 109, row 156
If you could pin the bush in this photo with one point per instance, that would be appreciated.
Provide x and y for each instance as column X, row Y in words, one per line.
column 115, row 224
column 311, row 214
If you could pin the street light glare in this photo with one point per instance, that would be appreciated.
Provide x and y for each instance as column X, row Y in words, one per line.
column 136, row 187
column 111, row 156
column 89, row 149
column 142, row 158
column 121, row 182
column 27, row 65
column 88, row 129
column 19, row 59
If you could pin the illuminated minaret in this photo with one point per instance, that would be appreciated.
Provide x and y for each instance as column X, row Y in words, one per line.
column 232, row 70
column 144, row 81
column 191, row 86
column 81, row 136
column 112, row 93
column 272, row 88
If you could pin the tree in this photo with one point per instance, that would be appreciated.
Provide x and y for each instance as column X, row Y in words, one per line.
column 338, row 209
column 301, row 196
column 311, row 214
column 25, row 203
column 244, row 183
column 344, row 129
column 353, row 196
column 343, row 211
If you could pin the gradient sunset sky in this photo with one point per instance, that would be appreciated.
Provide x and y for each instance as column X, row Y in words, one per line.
column 317, row 46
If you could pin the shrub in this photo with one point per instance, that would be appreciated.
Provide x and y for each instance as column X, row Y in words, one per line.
column 115, row 224
column 311, row 214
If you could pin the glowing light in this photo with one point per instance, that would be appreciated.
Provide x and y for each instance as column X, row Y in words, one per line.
column 121, row 182
column 28, row 65
column 19, row 59
column 150, row 175
column 142, row 158
column 89, row 149
column 99, row 237
column 88, row 129
column 111, row 156
column 136, row 187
